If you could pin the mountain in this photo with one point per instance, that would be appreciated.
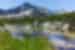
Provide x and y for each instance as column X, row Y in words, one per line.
column 26, row 9
column 20, row 8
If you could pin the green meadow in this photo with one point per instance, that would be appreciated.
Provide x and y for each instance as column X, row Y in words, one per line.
column 29, row 43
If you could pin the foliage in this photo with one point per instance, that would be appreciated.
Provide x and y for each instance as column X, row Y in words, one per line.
column 34, row 43
column 54, row 17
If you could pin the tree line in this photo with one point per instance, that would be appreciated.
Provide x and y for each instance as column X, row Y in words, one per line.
column 68, row 17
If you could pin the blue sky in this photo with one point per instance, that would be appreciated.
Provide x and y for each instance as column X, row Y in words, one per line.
column 50, row 4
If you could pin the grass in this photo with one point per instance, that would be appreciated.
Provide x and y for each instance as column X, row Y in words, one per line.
column 34, row 43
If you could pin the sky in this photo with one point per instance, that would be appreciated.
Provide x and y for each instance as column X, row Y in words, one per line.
column 50, row 4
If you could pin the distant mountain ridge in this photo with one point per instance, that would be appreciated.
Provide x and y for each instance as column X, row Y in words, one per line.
column 25, row 9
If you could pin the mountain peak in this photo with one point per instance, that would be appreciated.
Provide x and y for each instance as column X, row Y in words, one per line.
column 24, row 10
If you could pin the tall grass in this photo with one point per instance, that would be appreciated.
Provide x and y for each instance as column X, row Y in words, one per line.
column 34, row 43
